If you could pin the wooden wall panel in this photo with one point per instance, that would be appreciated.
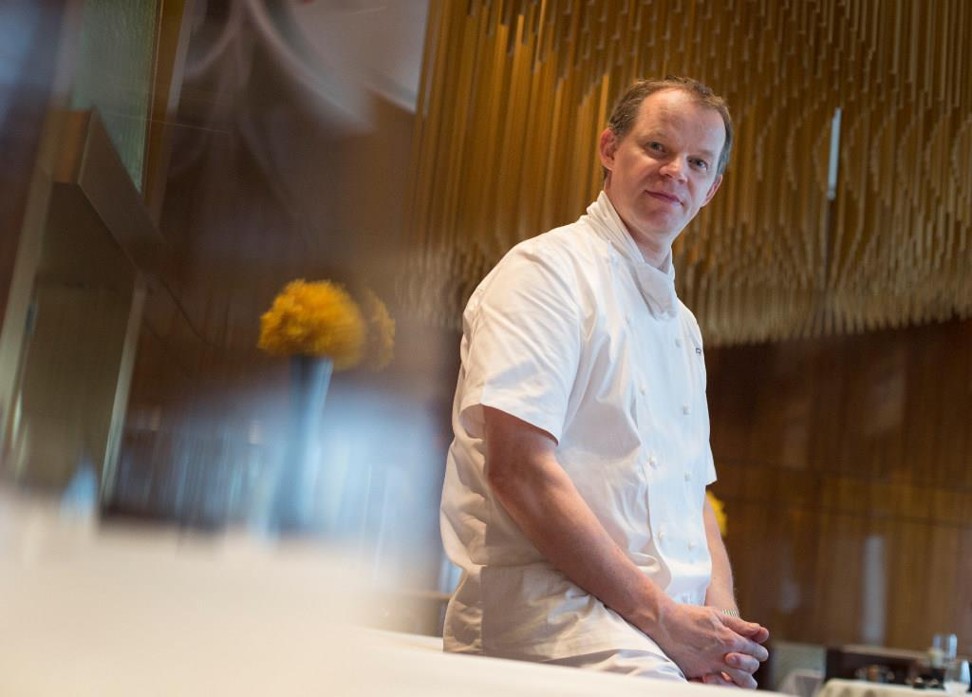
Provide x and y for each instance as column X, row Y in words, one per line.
column 515, row 93
column 827, row 449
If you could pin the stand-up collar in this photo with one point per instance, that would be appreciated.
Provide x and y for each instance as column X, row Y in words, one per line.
column 657, row 287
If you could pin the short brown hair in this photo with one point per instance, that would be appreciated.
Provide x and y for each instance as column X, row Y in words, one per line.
column 626, row 108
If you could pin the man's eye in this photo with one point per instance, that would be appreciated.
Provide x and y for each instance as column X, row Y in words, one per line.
column 656, row 146
column 701, row 164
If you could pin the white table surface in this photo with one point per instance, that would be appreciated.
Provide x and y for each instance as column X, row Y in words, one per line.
column 93, row 610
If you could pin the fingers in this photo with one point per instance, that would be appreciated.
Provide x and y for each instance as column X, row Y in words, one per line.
column 751, row 636
column 756, row 632
column 742, row 662
column 743, row 646
column 757, row 651
column 750, row 630
column 761, row 635
column 739, row 671
column 723, row 680
column 741, row 678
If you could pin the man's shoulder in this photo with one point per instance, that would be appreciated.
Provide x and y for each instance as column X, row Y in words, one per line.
column 568, row 256
column 574, row 240
column 688, row 320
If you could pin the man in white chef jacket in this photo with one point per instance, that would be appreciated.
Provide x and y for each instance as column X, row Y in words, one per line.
column 574, row 496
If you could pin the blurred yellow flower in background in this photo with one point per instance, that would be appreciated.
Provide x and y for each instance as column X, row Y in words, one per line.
column 380, row 341
column 720, row 512
column 314, row 319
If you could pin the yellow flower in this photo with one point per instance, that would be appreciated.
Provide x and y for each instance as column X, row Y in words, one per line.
column 380, row 346
column 720, row 512
column 314, row 319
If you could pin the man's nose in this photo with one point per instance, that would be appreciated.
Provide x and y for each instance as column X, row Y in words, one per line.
column 675, row 167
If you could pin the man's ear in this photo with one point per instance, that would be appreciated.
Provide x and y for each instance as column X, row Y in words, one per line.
column 607, row 146
column 712, row 190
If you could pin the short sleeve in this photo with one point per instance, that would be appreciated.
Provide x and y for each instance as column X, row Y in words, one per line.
column 524, row 339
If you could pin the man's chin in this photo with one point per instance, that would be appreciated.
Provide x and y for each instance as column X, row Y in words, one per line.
column 661, row 226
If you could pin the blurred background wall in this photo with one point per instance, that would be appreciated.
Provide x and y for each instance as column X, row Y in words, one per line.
column 169, row 166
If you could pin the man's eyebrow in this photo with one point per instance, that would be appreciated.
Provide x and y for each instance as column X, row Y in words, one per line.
column 661, row 135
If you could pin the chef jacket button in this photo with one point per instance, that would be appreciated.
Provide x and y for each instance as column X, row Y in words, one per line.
column 660, row 535
column 686, row 409
column 691, row 544
column 678, row 342
column 652, row 460
column 688, row 476
column 641, row 389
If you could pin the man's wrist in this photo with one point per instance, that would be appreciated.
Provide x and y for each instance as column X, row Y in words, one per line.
column 731, row 612
column 652, row 611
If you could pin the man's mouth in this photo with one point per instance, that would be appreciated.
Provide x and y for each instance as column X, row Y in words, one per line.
column 662, row 196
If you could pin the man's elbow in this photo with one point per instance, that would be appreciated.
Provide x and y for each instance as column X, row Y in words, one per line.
column 500, row 479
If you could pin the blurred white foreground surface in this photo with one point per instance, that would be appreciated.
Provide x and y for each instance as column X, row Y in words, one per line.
column 111, row 611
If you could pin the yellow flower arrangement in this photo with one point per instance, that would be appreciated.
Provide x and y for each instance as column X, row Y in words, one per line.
column 315, row 319
column 720, row 512
column 380, row 343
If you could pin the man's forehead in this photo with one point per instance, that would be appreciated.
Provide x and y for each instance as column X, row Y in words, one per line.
column 672, row 109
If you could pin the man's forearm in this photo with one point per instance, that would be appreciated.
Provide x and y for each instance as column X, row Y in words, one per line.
column 544, row 503
column 721, row 593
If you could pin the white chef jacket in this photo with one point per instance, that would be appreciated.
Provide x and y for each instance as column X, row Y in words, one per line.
column 575, row 333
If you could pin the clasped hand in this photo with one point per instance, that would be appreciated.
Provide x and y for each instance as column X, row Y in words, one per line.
column 713, row 647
